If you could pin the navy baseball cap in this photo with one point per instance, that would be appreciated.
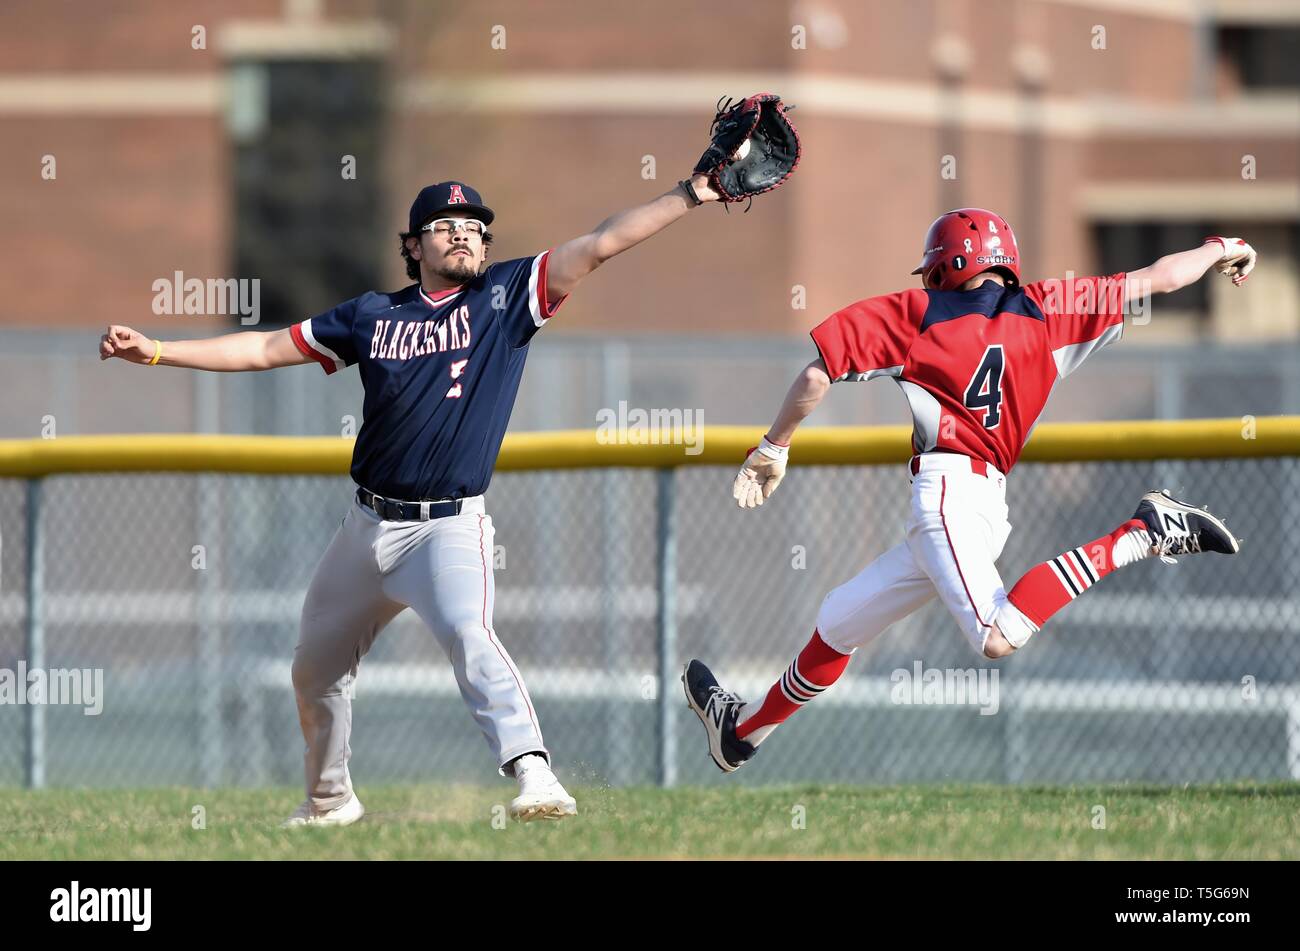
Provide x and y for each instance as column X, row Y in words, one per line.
column 456, row 197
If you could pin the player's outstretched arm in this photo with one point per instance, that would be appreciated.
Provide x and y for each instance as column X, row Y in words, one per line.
column 1231, row 257
column 753, row 149
column 570, row 262
column 250, row 350
column 765, row 467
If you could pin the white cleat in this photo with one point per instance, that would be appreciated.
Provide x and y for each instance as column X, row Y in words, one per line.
column 344, row 815
column 540, row 794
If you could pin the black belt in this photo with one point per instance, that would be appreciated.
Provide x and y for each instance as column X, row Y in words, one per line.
column 395, row 510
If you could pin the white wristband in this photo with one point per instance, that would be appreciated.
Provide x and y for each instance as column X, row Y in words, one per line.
column 1228, row 244
column 772, row 450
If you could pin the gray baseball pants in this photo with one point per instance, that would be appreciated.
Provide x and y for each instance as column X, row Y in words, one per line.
column 372, row 570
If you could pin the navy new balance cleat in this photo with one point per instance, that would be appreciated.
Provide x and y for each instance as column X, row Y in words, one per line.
column 1177, row 528
column 717, row 710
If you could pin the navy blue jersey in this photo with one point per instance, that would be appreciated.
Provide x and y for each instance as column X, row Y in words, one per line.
column 440, row 374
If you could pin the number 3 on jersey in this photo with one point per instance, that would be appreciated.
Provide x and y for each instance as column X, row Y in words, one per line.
column 457, row 368
column 985, row 389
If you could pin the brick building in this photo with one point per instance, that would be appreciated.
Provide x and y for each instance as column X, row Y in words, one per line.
column 146, row 138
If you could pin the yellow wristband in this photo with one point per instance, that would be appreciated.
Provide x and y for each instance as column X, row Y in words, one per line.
column 157, row 352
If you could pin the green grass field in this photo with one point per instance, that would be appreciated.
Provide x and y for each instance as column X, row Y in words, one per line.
column 457, row 822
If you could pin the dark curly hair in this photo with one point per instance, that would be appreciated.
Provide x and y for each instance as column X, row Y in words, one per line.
column 412, row 265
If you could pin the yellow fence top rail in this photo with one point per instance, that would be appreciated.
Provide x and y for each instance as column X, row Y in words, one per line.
column 1262, row 437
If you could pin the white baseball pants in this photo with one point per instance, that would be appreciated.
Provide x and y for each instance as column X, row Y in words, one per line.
column 956, row 530
column 372, row 570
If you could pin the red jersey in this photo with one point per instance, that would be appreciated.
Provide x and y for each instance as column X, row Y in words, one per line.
column 976, row 366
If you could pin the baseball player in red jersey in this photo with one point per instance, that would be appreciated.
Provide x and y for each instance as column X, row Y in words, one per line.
column 977, row 354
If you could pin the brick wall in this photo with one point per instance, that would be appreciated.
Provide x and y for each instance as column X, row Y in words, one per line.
column 143, row 186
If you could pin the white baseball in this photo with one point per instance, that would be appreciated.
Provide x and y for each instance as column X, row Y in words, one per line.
column 743, row 150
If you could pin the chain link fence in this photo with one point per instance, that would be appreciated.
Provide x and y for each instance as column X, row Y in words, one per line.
column 185, row 592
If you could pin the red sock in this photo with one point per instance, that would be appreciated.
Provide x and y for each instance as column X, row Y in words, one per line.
column 1047, row 588
column 816, row 668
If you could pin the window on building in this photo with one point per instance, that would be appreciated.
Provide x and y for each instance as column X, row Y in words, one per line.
column 1127, row 246
column 1262, row 56
column 306, row 170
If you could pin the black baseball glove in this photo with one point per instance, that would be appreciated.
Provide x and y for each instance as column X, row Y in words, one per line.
column 755, row 147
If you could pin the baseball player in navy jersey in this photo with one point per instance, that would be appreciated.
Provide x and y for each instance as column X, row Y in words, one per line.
column 977, row 355
column 440, row 362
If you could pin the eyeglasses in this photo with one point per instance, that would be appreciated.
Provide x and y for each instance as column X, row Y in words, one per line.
column 445, row 226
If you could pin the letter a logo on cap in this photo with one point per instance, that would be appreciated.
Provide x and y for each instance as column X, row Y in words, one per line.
column 457, row 197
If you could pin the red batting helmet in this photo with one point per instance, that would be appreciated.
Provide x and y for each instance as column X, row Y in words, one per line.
column 965, row 242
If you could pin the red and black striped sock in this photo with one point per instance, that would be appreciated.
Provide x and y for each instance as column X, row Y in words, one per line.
column 1048, row 587
column 816, row 668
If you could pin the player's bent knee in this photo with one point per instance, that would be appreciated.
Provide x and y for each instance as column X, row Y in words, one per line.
column 841, row 634
column 834, row 641
column 306, row 683
column 312, row 676
column 300, row 672
column 995, row 645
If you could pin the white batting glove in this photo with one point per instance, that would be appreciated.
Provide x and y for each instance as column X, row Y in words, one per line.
column 760, row 475
column 1238, row 258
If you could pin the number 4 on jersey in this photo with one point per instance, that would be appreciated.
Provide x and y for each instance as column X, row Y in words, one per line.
column 985, row 389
